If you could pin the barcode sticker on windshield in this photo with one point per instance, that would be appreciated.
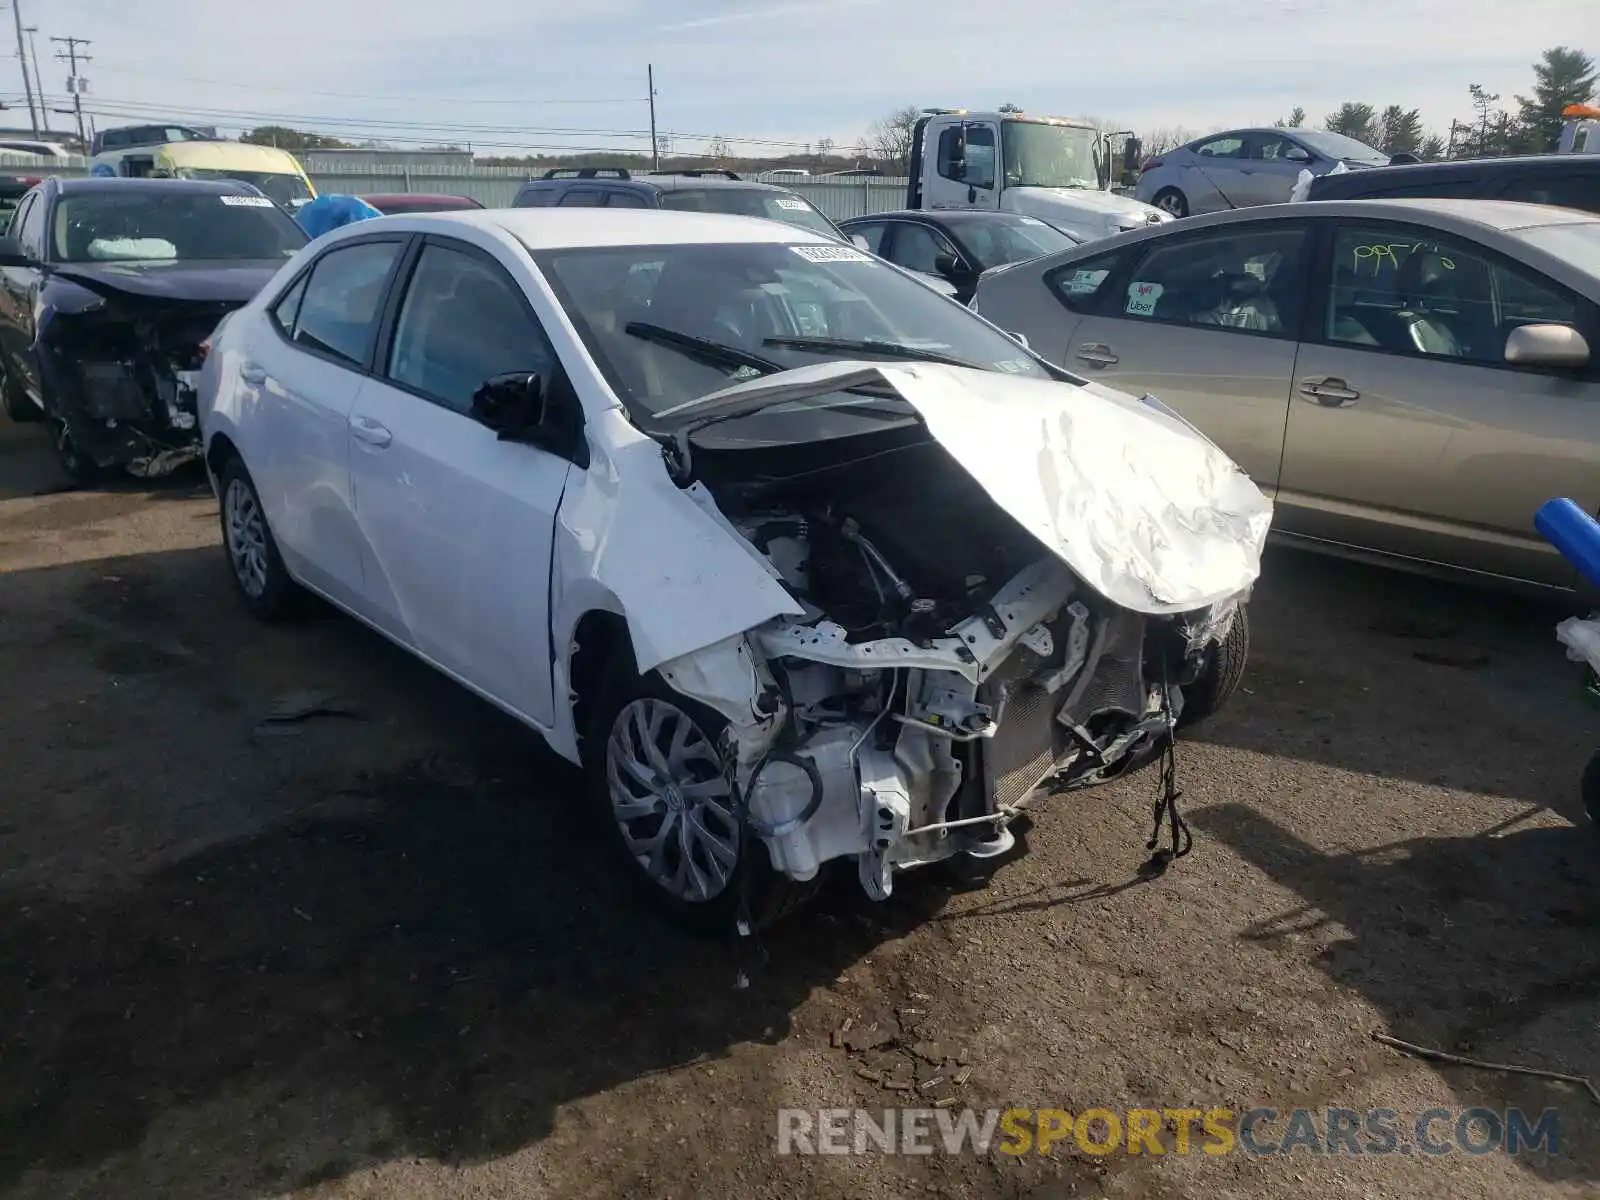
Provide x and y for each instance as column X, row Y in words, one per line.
column 1142, row 298
column 830, row 254
column 246, row 201
column 1082, row 283
column 793, row 204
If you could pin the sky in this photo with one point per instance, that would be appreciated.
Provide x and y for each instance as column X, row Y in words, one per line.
column 773, row 75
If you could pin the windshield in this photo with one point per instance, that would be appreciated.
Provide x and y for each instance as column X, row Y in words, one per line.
column 1001, row 240
column 761, row 306
column 154, row 225
column 1577, row 243
column 1048, row 155
column 1337, row 146
column 278, row 186
column 751, row 202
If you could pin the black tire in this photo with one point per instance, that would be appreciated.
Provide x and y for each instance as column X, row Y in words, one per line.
column 271, row 594
column 18, row 406
column 1173, row 201
column 1591, row 789
column 1220, row 676
column 80, row 467
column 753, row 889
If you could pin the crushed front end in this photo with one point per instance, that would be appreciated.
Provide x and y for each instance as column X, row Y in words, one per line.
column 120, row 376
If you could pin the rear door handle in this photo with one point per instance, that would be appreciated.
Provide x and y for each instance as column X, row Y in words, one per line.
column 1098, row 354
column 253, row 375
column 370, row 432
column 1330, row 393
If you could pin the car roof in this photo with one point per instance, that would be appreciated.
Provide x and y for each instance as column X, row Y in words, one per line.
column 419, row 198
column 1465, row 215
column 666, row 183
column 558, row 228
column 1410, row 172
column 947, row 216
column 116, row 183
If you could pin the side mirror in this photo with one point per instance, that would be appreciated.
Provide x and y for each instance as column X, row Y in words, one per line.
column 1297, row 154
column 1132, row 156
column 859, row 242
column 1020, row 338
column 512, row 405
column 950, row 266
column 13, row 255
column 1547, row 346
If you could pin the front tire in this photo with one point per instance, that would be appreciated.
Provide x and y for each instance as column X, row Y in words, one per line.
column 657, row 786
column 80, row 467
column 1219, row 678
column 1173, row 201
column 254, row 564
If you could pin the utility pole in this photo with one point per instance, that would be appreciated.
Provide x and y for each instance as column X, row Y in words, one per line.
column 75, row 81
column 33, row 53
column 22, row 59
column 655, row 146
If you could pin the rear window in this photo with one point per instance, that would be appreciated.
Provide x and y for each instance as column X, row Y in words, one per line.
column 751, row 202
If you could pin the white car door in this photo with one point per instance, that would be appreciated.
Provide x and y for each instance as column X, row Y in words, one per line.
column 305, row 359
column 457, row 524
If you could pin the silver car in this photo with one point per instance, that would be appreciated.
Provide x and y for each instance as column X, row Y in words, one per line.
column 1246, row 167
column 1409, row 379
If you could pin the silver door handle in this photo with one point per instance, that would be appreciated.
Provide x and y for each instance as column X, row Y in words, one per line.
column 370, row 432
column 1098, row 354
column 1330, row 393
column 252, row 374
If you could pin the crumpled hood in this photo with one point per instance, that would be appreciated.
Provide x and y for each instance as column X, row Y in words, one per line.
column 1042, row 202
column 1143, row 508
column 234, row 282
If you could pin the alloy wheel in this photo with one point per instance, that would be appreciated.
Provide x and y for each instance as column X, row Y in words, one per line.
column 672, row 800
column 247, row 537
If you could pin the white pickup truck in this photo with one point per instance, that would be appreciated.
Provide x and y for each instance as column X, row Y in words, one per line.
column 1055, row 168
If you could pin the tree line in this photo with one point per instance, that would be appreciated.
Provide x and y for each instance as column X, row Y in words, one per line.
column 1523, row 125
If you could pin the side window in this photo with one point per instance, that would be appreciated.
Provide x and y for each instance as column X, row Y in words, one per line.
column 1274, row 148
column 286, row 310
column 533, row 197
column 583, row 198
column 914, row 247
column 463, row 321
column 1564, row 191
column 1251, row 282
column 873, row 233
column 1083, row 284
column 980, row 155
column 30, row 231
column 1222, row 147
column 14, row 228
column 1409, row 292
column 339, row 308
column 627, row 200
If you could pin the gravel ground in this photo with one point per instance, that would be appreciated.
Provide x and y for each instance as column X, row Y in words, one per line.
column 371, row 953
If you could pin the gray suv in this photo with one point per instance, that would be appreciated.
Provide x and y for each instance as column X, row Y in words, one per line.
column 713, row 191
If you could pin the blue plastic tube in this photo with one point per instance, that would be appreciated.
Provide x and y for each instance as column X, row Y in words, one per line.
column 1573, row 532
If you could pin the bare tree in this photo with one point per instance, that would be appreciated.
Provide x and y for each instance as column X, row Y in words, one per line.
column 888, row 140
column 719, row 148
column 1167, row 137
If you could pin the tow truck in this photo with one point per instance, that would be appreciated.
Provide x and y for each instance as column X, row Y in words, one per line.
column 1581, row 132
column 1058, row 169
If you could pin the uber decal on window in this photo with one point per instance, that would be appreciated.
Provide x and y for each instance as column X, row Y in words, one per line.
column 1142, row 298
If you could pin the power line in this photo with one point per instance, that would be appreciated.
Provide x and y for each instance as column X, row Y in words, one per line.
column 131, row 108
column 74, row 81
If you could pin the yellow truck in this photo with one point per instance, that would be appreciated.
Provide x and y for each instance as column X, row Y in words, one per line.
column 276, row 172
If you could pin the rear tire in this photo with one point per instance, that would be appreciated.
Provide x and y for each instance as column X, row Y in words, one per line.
column 1219, row 678
column 254, row 564
column 710, row 869
column 1173, row 201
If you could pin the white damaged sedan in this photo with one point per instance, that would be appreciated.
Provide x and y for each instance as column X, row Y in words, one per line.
column 800, row 560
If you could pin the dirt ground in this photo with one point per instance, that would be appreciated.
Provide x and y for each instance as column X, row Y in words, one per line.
column 372, row 953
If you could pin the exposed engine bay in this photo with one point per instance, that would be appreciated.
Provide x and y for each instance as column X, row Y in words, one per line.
column 946, row 664
column 122, row 377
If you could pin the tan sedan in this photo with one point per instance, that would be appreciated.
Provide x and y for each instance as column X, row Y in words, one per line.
column 1409, row 379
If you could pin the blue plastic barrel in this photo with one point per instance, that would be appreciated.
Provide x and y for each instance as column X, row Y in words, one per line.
column 1573, row 532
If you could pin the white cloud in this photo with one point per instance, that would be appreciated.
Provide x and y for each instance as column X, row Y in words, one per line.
column 517, row 71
